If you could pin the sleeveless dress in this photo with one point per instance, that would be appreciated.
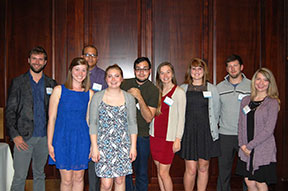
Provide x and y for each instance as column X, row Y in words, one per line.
column 71, row 140
column 113, row 142
column 162, row 150
column 265, row 173
column 197, row 141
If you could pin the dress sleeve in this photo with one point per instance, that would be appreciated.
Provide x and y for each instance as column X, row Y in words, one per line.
column 131, row 111
column 94, row 113
column 241, row 124
column 181, row 104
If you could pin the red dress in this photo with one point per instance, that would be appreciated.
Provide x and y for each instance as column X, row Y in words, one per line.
column 161, row 150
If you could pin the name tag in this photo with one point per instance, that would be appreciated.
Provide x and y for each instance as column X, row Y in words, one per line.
column 241, row 96
column 246, row 109
column 168, row 101
column 49, row 90
column 138, row 106
column 96, row 87
column 207, row 94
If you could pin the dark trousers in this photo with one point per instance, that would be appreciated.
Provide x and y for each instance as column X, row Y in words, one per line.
column 94, row 181
column 140, row 166
column 229, row 147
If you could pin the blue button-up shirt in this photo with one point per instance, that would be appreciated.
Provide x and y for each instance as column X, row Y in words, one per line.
column 38, row 93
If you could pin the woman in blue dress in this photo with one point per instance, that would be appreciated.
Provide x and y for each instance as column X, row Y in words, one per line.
column 113, row 131
column 68, row 131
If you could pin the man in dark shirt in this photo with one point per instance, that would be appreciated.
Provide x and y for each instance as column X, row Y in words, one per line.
column 147, row 96
column 97, row 75
column 26, row 116
column 98, row 83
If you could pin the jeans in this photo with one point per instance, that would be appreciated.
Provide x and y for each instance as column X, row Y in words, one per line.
column 38, row 152
column 140, row 166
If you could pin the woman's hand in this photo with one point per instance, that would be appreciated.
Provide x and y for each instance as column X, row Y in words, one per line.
column 94, row 154
column 132, row 154
column 176, row 145
column 51, row 152
column 245, row 150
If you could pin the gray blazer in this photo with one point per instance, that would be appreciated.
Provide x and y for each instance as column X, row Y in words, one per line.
column 19, row 112
column 94, row 112
column 213, row 109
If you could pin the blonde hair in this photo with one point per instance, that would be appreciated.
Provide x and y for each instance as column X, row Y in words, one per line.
column 272, row 90
column 196, row 62
column 159, row 83
column 86, row 82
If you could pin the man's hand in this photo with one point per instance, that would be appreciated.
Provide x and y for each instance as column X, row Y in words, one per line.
column 135, row 92
column 20, row 143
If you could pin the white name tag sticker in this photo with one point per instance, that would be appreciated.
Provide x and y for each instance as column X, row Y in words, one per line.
column 168, row 101
column 97, row 87
column 207, row 94
column 241, row 96
column 138, row 106
column 49, row 90
column 246, row 109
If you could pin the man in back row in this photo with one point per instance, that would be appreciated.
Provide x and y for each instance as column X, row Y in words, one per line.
column 231, row 90
column 146, row 95
column 98, row 83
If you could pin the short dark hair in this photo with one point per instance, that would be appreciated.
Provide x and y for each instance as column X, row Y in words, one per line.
column 38, row 50
column 142, row 59
column 89, row 46
column 234, row 57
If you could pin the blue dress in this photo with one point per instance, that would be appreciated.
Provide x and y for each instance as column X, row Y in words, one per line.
column 71, row 140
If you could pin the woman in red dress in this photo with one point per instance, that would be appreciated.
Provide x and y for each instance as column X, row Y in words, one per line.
column 167, row 127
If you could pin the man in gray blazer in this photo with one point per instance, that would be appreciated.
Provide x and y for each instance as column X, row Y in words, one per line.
column 26, row 117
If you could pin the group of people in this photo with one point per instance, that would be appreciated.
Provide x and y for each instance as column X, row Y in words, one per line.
column 99, row 121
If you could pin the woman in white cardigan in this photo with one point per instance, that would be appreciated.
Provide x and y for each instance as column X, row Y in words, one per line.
column 166, row 129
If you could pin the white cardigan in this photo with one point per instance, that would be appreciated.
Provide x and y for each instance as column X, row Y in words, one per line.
column 176, row 119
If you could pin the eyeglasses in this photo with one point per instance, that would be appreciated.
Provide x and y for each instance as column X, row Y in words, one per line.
column 90, row 55
column 142, row 69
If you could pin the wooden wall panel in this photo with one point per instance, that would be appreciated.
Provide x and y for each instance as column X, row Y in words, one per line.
column 2, row 66
column 60, row 48
column 29, row 25
column 113, row 29
column 285, row 124
column 237, row 31
column 177, row 33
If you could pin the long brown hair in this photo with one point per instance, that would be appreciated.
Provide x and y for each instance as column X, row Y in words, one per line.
column 86, row 82
column 159, row 83
column 196, row 62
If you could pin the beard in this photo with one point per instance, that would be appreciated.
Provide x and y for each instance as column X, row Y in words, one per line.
column 141, row 81
column 37, row 70
column 235, row 75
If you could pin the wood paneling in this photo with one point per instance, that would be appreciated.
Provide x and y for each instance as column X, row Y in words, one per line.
column 112, row 26
column 237, row 31
column 177, row 33
column 163, row 30
column 28, row 25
